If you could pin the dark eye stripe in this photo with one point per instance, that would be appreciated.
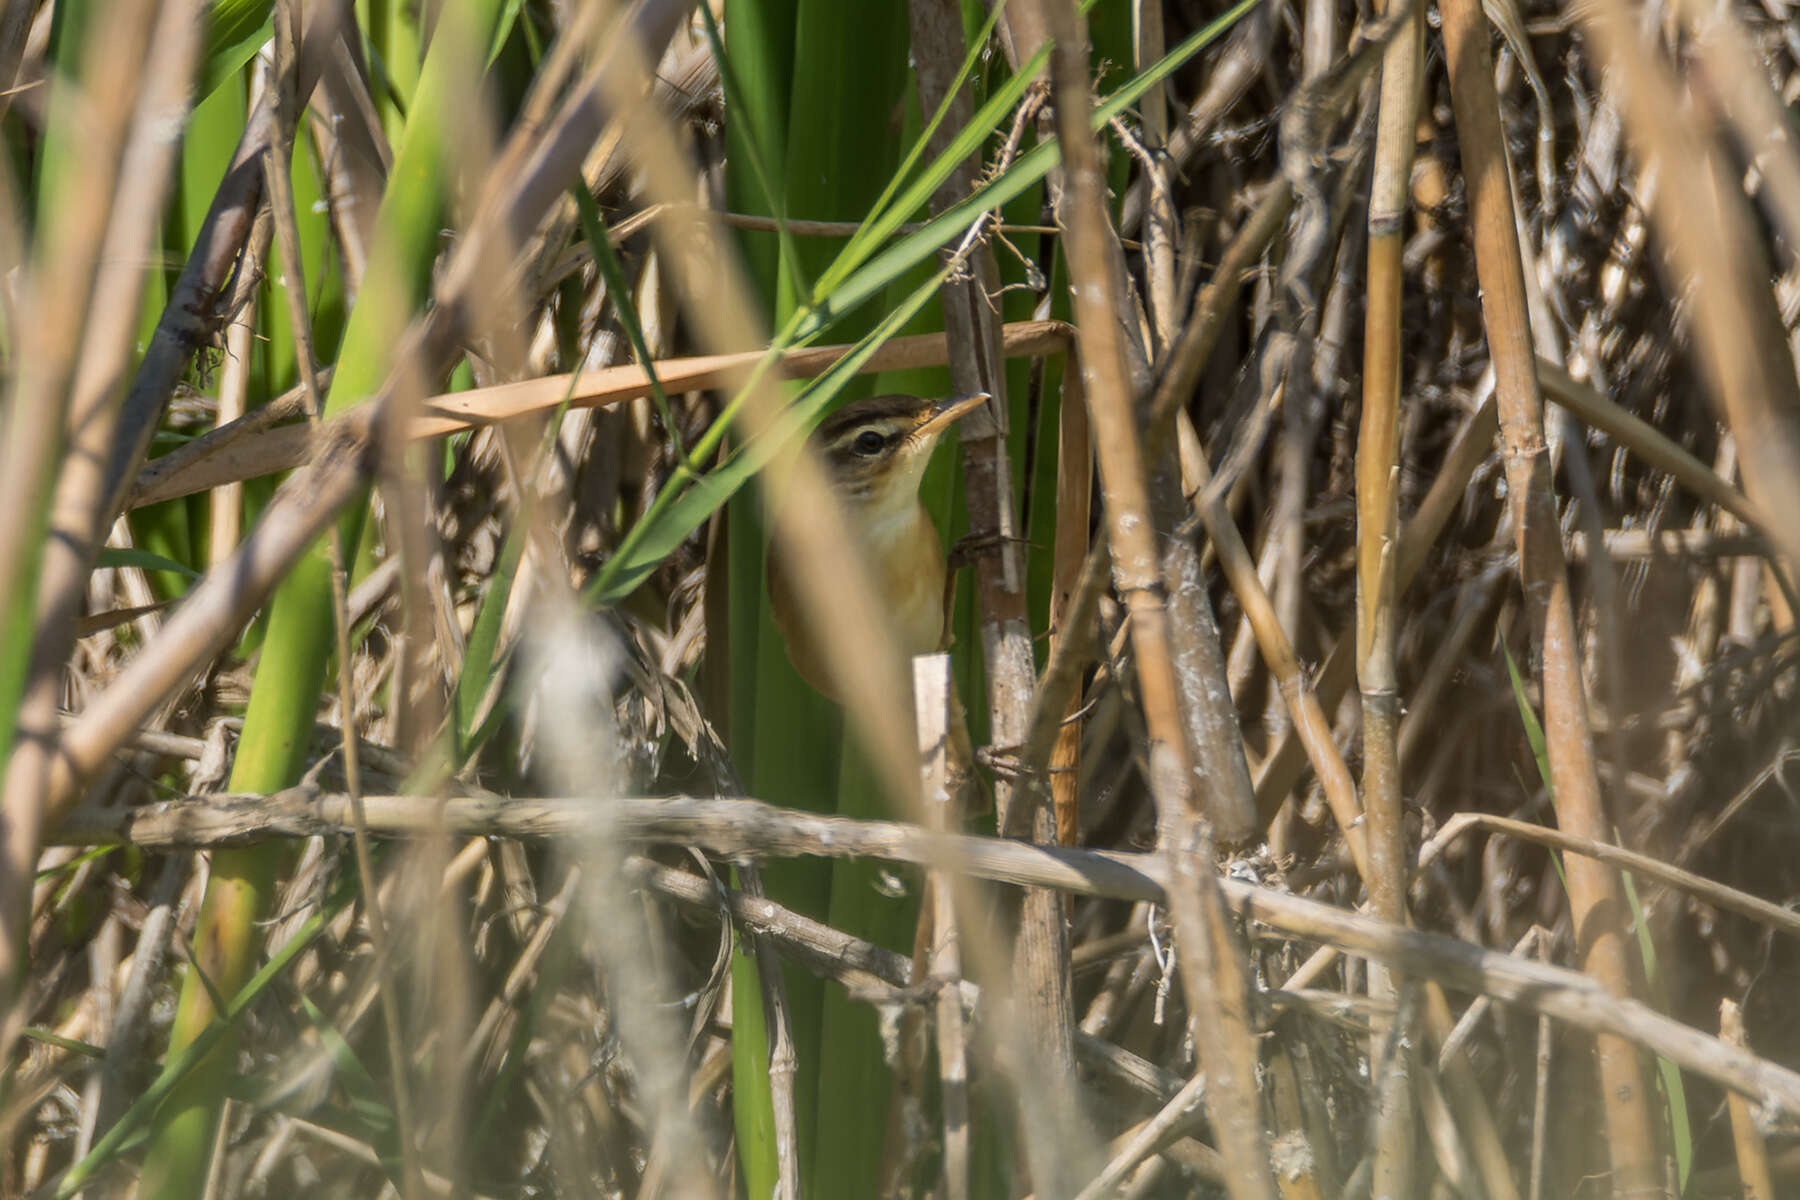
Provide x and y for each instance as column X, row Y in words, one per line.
column 864, row 439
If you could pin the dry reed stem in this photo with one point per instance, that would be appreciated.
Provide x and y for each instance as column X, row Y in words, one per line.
column 190, row 316
column 1143, row 1141
column 1162, row 228
column 1712, row 892
column 1215, row 739
column 225, row 508
column 1313, row 732
column 574, row 704
column 1281, row 770
column 1217, row 998
column 1059, row 690
column 933, row 688
column 1752, row 1154
column 1377, row 590
column 871, row 972
column 251, row 449
column 1596, row 900
column 743, row 828
column 1310, row 724
column 94, row 481
column 1646, row 441
column 784, row 1063
column 1541, row 1097
column 1424, row 718
column 431, row 646
column 79, row 303
column 1238, row 66
column 226, row 598
column 1192, row 349
column 1473, row 443
column 1733, row 69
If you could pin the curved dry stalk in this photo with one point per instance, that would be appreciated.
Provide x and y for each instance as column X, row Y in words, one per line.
column 1596, row 900
column 1698, row 886
column 1646, row 441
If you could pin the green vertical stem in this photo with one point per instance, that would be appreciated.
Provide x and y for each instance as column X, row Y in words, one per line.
column 760, row 54
column 820, row 83
column 842, row 147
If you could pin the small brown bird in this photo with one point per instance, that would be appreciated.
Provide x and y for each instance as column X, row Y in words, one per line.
column 875, row 452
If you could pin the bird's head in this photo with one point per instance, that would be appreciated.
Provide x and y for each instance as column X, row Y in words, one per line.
column 876, row 449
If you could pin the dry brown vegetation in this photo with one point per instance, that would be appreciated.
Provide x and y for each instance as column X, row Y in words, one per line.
column 1377, row 640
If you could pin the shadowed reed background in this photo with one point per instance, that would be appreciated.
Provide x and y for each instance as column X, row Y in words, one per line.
column 1349, row 751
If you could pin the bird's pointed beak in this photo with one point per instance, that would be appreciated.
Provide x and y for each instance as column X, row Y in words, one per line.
column 946, row 413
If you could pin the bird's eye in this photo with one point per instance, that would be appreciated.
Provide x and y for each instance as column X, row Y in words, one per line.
column 869, row 442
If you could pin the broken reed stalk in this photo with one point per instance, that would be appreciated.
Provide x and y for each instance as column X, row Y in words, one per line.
column 1752, row 1153
column 934, row 693
column 1596, row 899
column 1377, row 590
column 1217, row 998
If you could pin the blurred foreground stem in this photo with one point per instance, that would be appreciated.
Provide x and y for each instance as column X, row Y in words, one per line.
column 284, row 697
